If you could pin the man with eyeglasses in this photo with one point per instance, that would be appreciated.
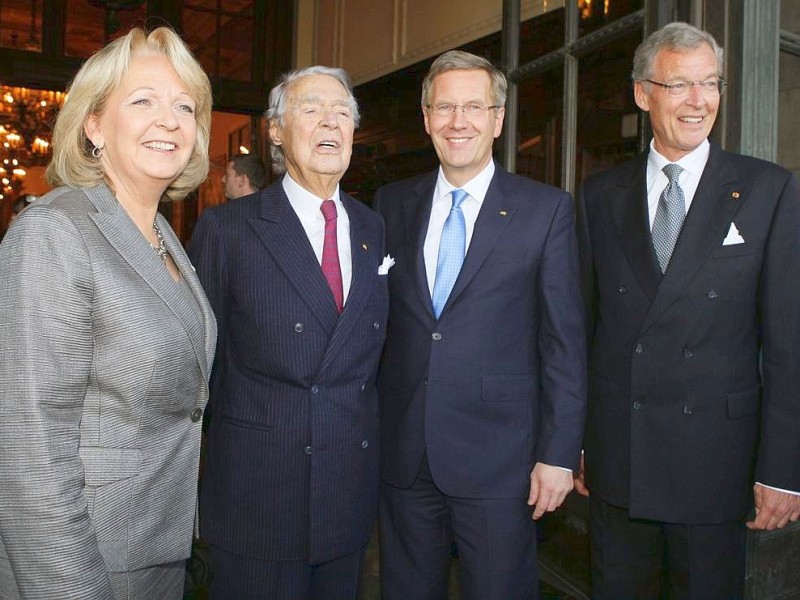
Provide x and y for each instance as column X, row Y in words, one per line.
column 482, row 384
column 691, row 264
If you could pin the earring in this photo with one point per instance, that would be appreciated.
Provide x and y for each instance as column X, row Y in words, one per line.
column 97, row 151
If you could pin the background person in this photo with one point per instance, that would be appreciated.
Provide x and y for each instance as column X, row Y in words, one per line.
column 244, row 175
column 690, row 255
column 106, row 338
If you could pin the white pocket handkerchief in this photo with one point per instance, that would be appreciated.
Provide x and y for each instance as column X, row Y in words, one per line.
column 733, row 237
column 388, row 263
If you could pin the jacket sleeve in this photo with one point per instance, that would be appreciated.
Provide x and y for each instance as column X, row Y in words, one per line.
column 779, row 313
column 46, row 354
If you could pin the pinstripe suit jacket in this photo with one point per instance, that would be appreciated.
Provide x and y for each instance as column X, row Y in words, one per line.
column 291, row 471
column 103, row 361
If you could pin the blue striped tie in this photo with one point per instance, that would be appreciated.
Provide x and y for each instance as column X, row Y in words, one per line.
column 452, row 248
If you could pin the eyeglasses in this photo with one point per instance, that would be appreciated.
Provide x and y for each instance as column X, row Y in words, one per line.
column 470, row 110
column 709, row 87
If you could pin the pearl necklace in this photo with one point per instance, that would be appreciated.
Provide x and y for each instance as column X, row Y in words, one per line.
column 161, row 249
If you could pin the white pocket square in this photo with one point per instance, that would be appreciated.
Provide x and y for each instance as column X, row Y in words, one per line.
column 388, row 263
column 733, row 237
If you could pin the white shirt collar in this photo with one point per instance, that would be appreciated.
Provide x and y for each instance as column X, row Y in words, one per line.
column 694, row 162
column 475, row 187
column 304, row 202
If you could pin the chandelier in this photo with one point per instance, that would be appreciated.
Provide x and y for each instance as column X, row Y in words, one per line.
column 26, row 122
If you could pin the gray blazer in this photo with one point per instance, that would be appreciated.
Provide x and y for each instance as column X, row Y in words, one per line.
column 104, row 364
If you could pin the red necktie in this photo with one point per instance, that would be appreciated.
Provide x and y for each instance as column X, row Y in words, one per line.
column 330, row 254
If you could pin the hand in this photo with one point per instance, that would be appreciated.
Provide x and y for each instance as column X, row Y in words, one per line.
column 774, row 509
column 549, row 486
column 579, row 480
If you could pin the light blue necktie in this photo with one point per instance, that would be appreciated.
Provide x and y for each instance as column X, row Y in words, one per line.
column 452, row 248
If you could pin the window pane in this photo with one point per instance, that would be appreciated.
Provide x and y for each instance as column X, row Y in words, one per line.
column 540, row 127
column 607, row 113
column 21, row 24
column 221, row 35
column 596, row 13
column 541, row 35
column 89, row 27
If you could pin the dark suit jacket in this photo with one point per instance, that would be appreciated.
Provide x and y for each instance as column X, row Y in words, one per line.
column 498, row 382
column 292, row 462
column 681, row 416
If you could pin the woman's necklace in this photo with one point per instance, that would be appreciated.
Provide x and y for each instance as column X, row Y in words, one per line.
column 161, row 249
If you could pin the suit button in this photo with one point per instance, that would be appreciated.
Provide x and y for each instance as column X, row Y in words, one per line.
column 436, row 336
column 687, row 410
column 688, row 352
column 712, row 294
column 365, row 444
column 307, row 450
column 623, row 289
column 638, row 348
column 315, row 389
column 425, row 382
column 196, row 415
column 637, row 405
column 363, row 386
column 376, row 325
column 298, row 327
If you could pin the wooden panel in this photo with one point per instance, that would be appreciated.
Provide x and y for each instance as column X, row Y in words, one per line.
column 367, row 37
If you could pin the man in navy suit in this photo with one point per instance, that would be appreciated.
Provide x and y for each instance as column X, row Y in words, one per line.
column 691, row 258
column 482, row 384
column 290, row 489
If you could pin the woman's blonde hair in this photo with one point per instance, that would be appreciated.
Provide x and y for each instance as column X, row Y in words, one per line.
column 101, row 75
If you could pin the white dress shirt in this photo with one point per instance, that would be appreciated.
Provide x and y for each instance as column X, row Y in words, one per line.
column 307, row 207
column 693, row 165
column 440, row 209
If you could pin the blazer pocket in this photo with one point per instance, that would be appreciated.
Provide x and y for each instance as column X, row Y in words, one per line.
column 106, row 465
column 233, row 421
column 744, row 404
column 507, row 388
column 734, row 250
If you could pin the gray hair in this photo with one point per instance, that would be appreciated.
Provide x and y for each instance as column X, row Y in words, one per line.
column 454, row 60
column 277, row 104
column 677, row 36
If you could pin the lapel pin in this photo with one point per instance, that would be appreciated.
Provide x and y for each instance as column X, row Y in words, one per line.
column 735, row 195
column 503, row 213
column 364, row 246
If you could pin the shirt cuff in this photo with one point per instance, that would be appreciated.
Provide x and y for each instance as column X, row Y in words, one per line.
column 793, row 493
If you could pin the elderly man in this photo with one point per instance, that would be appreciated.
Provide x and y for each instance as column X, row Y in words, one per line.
column 244, row 175
column 692, row 269
column 289, row 492
column 482, row 384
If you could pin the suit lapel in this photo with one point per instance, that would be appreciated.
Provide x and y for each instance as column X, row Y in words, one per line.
column 280, row 231
column 364, row 265
column 176, row 251
column 712, row 210
column 417, row 214
column 496, row 213
column 121, row 232
column 629, row 212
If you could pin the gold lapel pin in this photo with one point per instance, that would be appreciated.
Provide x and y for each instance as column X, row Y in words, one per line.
column 364, row 246
column 503, row 213
column 735, row 195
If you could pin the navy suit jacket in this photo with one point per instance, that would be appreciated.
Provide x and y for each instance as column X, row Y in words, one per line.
column 292, row 460
column 498, row 382
column 682, row 415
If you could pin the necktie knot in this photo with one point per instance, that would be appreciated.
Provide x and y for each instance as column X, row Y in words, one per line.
column 673, row 171
column 458, row 197
column 328, row 209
